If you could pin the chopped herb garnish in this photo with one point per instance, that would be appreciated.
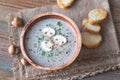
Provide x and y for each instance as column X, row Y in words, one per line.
column 59, row 31
column 43, row 53
column 56, row 55
column 49, row 25
column 38, row 48
column 59, row 52
column 67, row 34
column 40, row 39
column 50, row 55
column 59, row 24
column 67, row 51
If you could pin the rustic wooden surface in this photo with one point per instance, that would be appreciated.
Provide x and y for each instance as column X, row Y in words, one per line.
column 14, row 6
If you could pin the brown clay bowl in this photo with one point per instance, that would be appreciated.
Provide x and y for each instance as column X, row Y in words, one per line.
column 38, row 18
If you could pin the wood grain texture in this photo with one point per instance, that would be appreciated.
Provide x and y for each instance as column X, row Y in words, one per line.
column 115, row 10
column 5, row 59
column 21, row 4
column 16, row 5
column 6, row 75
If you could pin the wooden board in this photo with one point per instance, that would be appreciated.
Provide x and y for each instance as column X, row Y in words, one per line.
column 21, row 4
column 15, row 5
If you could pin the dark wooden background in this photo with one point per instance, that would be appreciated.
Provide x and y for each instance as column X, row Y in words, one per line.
column 16, row 5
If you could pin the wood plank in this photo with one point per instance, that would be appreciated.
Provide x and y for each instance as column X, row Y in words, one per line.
column 20, row 4
column 6, row 75
column 115, row 9
column 5, row 59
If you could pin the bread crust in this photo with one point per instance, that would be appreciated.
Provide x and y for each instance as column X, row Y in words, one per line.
column 62, row 5
column 89, row 30
column 91, row 45
column 98, row 11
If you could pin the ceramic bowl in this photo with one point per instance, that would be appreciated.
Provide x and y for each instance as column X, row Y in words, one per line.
column 29, row 56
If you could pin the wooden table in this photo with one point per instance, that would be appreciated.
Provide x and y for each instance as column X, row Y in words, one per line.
column 16, row 5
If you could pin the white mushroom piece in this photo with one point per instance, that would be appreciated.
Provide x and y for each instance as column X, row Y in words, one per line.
column 48, row 32
column 59, row 40
column 47, row 45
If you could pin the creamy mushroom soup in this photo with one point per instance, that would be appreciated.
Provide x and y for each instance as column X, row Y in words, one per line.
column 50, row 42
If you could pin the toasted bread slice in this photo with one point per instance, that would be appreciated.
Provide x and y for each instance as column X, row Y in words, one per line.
column 91, row 40
column 97, row 15
column 90, row 27
column 65, row 3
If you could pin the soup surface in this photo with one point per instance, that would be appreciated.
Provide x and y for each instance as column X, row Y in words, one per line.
column 60, row 54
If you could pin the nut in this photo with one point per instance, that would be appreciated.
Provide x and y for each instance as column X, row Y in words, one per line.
column 11, row 49
column 24, row 62
column 17, row 22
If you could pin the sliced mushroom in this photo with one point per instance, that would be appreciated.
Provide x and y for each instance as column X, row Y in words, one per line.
column 59, row 40
column 47, row 45
column 48, row 32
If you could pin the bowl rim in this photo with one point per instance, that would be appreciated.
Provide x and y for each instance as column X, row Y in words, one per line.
column 50, row 15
